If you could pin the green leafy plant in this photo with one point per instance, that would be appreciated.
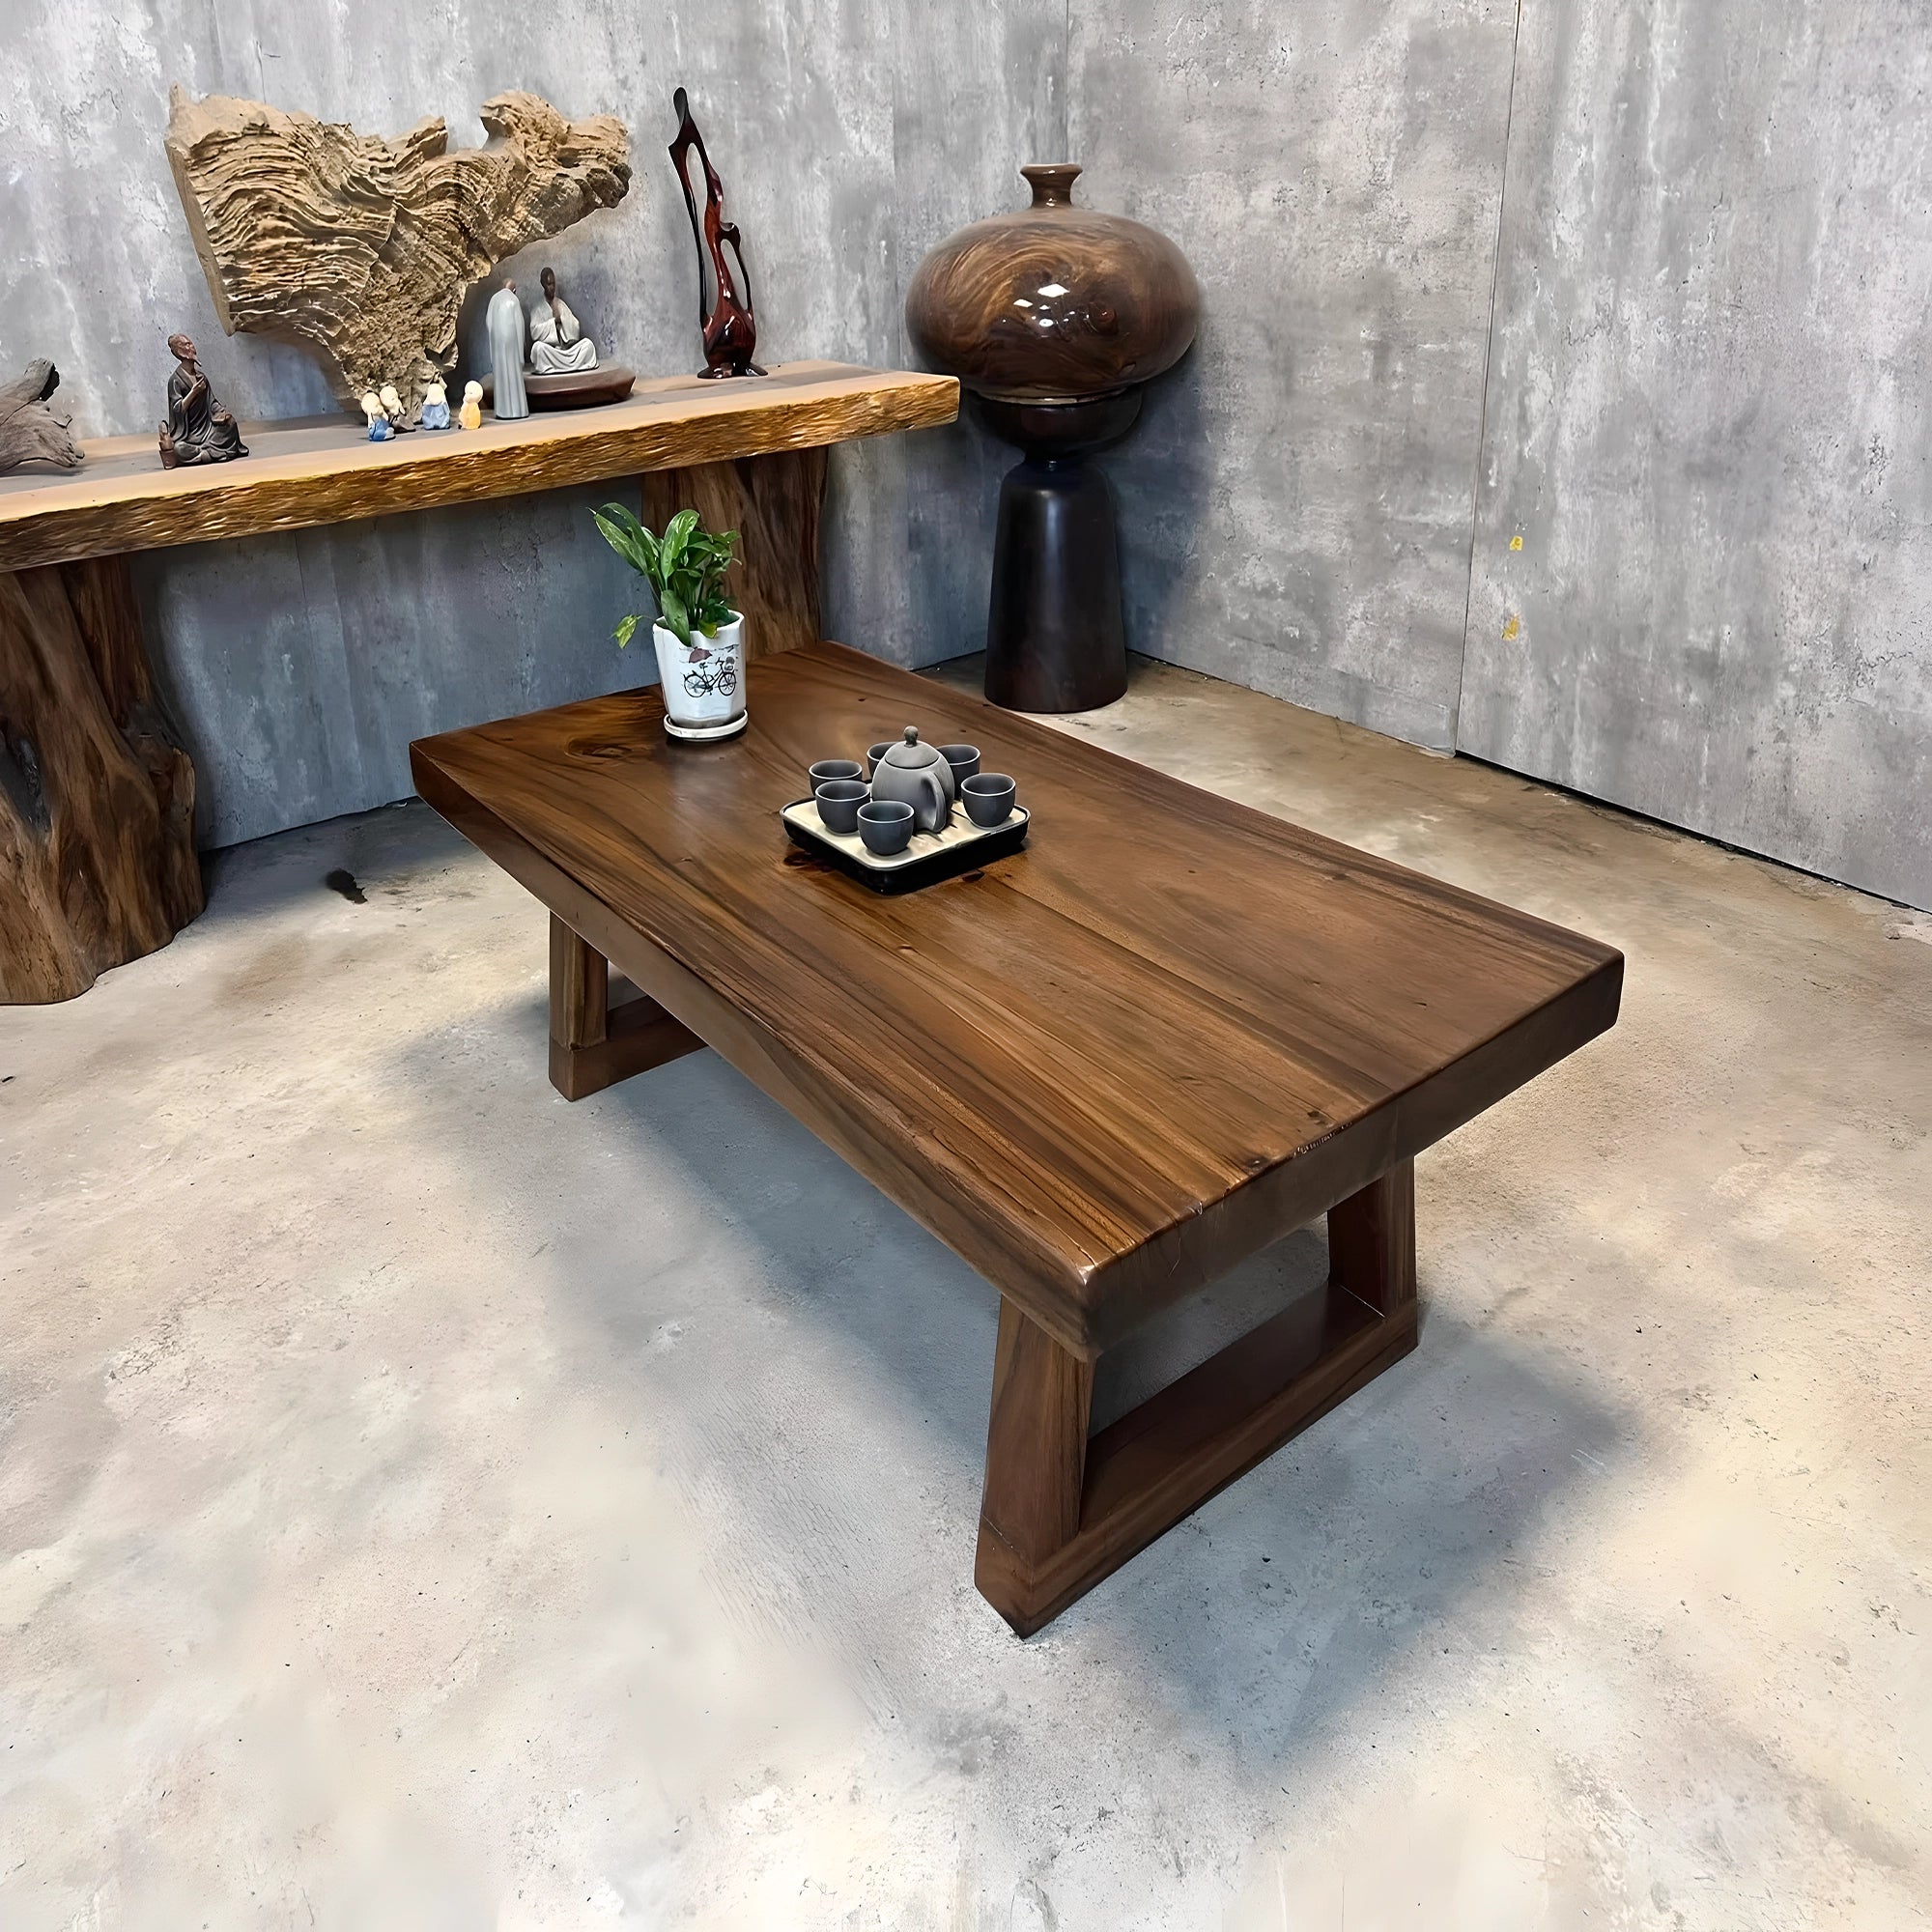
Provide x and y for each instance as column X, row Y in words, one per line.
column 684, row 568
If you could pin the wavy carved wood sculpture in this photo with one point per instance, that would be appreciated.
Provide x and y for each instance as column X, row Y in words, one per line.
column 361, row 248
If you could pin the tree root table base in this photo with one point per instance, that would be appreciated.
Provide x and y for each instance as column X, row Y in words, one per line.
column 96, row 795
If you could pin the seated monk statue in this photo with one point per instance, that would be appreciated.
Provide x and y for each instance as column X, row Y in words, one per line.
column 198, row 429
column 558, row 345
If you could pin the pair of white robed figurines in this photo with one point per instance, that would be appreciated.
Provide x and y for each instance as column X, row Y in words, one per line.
column 557, row 343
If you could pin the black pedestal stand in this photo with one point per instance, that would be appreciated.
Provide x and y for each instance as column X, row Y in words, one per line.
column 1055, row 641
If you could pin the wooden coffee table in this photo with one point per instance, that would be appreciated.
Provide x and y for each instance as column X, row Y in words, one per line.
column 1103, row 1070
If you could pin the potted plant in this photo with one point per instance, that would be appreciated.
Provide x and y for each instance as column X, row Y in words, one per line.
column 700, row 639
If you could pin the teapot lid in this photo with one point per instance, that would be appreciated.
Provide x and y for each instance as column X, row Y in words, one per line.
column 911, row 755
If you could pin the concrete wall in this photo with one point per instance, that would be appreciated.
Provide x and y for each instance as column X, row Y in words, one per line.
column 850, row 133
column 1702, row 314
column 1706, row 361
column 1296, row 503
column 1710, row 425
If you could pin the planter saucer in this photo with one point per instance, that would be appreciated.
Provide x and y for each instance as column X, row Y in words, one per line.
column 704, row 734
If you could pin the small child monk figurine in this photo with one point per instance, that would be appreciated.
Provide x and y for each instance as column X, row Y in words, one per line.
column 379, row 417
column 392, row 407
column 470, row 415
column 436, row 404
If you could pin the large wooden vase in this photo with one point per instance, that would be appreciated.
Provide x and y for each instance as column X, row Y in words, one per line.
column 1053, row 318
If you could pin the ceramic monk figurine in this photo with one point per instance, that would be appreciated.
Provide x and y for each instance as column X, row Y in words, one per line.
column 376, row 415
column 198, row 429
column 558, row 345
column 392, row 407
column 504, row 319
column 470, row 415
column 436, row 404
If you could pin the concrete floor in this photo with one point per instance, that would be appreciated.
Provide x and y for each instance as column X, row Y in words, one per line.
column 427, row 1504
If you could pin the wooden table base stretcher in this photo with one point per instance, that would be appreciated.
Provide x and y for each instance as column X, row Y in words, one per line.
column 1061, row 1510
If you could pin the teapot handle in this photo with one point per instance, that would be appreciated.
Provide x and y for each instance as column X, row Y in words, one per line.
column 942, row 805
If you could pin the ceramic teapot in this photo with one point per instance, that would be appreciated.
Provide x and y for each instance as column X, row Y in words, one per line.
column 916, row 775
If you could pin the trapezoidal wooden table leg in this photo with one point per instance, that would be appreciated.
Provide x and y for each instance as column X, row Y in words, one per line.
column 1063, row 1511
column 592, row 1043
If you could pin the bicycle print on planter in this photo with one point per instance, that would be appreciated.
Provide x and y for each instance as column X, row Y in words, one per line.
column 700, row 639
column 703, row 681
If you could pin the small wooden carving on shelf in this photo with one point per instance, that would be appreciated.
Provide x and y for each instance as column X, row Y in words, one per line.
column 730, row 330
column 361, row 248
column 197, row 429
column 31, row 429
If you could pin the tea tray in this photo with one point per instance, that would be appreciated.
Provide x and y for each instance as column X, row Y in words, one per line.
column 930, row 857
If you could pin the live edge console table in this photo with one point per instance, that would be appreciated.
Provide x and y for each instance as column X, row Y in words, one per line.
column 97, row 863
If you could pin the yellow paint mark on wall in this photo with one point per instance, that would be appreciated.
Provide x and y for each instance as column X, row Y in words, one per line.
column 1512, row 627
column 1515, row 543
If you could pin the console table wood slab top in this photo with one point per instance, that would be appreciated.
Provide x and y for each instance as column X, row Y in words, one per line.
column 98, row 864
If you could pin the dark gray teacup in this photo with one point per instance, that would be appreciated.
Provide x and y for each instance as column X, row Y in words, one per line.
column 886, row 826
column 874, row 753
column 964, row 761
column 988, row 798
column 827, row 769
column 839, row 800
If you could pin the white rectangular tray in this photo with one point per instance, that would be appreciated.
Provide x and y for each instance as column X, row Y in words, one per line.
column 929, row 857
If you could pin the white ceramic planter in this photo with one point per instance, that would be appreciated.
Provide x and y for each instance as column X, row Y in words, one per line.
column 704, row 685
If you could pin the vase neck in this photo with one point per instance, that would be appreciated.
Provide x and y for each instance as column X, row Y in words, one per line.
column 1052, row 183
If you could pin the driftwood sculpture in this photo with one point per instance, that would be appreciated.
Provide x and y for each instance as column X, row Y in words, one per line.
column 361, row 248
column 31, row 429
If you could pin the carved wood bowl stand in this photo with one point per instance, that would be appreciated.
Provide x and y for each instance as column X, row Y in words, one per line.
column 1054, row 317
column 1056, row 636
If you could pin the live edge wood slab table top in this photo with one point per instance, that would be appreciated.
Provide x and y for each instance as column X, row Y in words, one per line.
column 1103, row 1070
column 326, row 469
column 97, row 795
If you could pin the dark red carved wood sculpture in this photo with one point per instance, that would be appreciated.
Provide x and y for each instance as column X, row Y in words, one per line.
column 730, row 330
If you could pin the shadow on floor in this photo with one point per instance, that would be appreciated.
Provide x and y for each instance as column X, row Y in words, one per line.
column 1276, row 1607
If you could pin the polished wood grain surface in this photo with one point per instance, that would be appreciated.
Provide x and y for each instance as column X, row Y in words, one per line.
column 327, row 471
column 1036, row 1442
column 1103, row 1070
column 1053, row 302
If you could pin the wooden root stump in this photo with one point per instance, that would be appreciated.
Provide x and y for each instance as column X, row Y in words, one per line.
column 97, row 863
column 774, row 504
